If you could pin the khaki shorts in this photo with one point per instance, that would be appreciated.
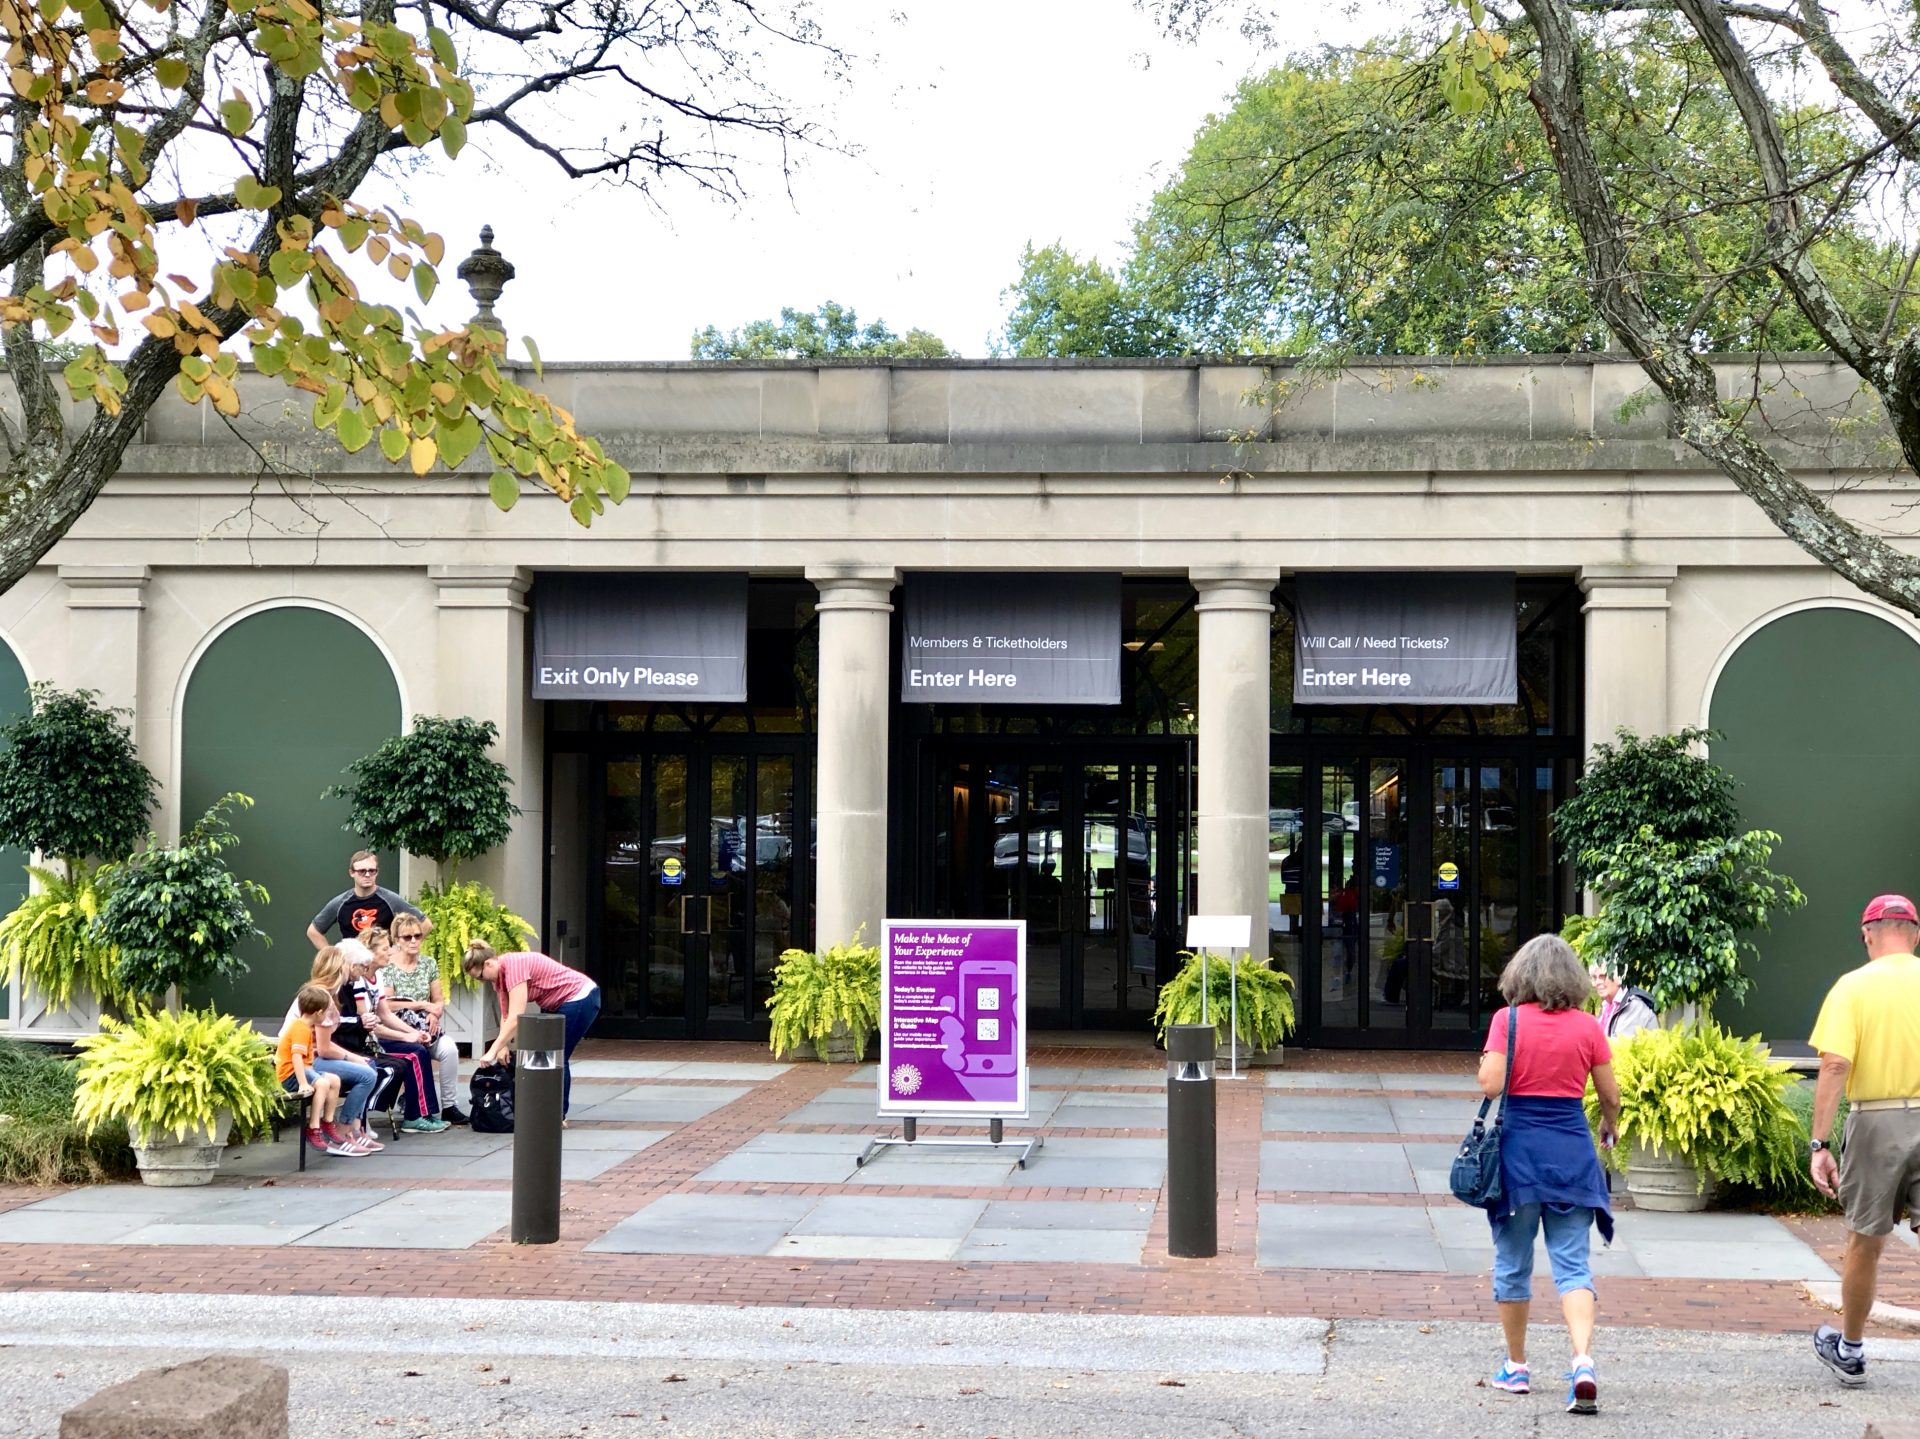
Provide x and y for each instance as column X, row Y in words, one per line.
column 1880, row 1169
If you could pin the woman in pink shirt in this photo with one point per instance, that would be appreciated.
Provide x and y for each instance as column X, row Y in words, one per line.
column 521, row 978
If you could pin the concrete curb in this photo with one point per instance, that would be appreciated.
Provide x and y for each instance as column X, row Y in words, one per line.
column 1826, row 1293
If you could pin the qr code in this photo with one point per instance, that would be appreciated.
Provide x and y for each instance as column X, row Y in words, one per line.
column 987, row 1029
column 986, row 999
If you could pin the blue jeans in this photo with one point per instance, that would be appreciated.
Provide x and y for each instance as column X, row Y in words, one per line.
column 580, row 1014
column 356, row 1083
column 1568, row 1228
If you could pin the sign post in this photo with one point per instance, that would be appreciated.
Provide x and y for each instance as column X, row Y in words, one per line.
column 953, row 1028
column 1206, row 932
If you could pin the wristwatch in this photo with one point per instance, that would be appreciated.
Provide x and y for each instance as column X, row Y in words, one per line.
column 1814, row 1146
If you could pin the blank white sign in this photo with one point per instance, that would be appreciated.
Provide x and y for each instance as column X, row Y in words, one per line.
column 1219, row 931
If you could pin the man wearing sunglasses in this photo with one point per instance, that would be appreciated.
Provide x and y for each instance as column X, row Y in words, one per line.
column 368, row 903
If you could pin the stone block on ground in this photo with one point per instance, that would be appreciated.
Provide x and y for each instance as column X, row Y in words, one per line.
column 220, row 1397
column 1892, row 1429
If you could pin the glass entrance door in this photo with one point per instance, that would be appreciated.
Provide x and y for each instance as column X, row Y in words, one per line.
column 1090, row 851
column 1417, row 874
column 698, row 892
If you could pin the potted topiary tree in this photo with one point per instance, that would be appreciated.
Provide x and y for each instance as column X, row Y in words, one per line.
column 176, row 915
column 1246, row 992
column 435, row 792
column 1653, row 830
column 73, row 789
column 179, row 1081
column 826, row 1000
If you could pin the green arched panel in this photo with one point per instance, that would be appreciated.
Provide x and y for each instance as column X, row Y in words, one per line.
column 13, row 862
column 276, row 708
column 1817, row 712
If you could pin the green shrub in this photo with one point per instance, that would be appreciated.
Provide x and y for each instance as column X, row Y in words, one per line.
column 1711, row 1097
column 40, row 1141
column 71, row 784
column 1264, row 1005
column 461, row 912
column 177, row 914
column 815, row 989
column 433, row 791
column 175, row 1071
column 1657, row 781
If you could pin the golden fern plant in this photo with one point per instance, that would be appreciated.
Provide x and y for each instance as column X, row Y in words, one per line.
column 162, row 1071
column 815, row 989
column 1264, row 1003
column 463, row 911
column 50, row 941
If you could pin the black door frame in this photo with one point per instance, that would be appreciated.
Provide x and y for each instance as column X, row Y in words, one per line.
column 700, row 748
column 1417, row 754
column 1071, row 755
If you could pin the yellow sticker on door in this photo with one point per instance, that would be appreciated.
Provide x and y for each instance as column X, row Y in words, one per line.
column 1447, row 876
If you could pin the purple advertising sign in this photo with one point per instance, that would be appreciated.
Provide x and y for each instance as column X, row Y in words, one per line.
column 953, row 1022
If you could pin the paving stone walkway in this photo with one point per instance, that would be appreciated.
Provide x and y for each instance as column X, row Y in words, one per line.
column 704, row 1173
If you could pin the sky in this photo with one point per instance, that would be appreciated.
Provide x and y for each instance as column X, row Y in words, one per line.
column 979, row 127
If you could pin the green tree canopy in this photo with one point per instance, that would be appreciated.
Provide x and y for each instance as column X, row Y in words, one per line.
column 71, row 783
column 832, row 332
column 433, row 791
column 1338, row 207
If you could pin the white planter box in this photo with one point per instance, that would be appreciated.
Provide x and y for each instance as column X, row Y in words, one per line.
column 31, row 1016
column 471, row 1018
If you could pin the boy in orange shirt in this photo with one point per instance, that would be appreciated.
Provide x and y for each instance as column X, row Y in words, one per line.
column 293, row 1063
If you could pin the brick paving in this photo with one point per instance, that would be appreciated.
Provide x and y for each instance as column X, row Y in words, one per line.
column 1230, row 1284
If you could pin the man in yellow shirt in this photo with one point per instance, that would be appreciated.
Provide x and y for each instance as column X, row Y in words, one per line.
column 1868, row 1035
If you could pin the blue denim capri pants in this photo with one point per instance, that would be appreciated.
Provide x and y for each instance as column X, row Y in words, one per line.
column 1569, row 1229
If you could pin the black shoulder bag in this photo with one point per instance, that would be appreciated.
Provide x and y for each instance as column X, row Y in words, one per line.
column 1475, row 1178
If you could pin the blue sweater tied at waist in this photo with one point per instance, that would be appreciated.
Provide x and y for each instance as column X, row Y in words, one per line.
column 1547, row 1157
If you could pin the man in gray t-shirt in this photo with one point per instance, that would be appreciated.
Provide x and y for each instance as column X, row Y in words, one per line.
column 366, row 904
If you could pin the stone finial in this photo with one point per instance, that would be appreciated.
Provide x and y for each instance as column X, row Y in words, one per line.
column 486, row 272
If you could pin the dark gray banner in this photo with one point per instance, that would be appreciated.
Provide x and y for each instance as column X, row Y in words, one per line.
column 640, row 637
column 1021, row 639
column 1418, row 638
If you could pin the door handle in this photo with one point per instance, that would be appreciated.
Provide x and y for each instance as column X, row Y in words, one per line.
column 687, row 911
column 1419, row 921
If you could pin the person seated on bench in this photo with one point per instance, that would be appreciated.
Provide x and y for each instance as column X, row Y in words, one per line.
column 355, row 1073
column 293, row 1064
column 394, row 1045
column 411, row 992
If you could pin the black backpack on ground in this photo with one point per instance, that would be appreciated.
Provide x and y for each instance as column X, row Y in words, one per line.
column 491, row 1106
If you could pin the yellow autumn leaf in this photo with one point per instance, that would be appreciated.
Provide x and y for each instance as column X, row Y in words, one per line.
column 421, row 453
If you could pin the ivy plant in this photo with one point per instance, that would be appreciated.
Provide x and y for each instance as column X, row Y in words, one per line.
column 71, row 784
column 178, row 914
column 1658, row 781
column 1675, row 915
column 434, row 792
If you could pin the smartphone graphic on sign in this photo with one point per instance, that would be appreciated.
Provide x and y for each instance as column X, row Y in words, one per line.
column 988, row 1010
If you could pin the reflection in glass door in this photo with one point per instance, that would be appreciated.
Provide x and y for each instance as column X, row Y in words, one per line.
column 698, row 889
column 1087, row 851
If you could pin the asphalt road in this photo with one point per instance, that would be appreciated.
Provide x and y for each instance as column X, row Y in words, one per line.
column 413, row 1368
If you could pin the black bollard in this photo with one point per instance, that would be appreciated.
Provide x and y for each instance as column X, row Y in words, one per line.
column 1193, row 1186
column 540, row 1046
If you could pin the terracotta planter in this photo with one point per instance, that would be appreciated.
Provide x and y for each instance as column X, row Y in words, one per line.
column 1667, row 1183
column 169, row 1163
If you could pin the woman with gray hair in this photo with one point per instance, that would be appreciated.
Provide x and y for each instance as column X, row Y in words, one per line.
column 1550, row 1174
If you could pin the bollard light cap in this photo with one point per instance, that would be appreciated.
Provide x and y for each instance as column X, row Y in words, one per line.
column 1191, row 1042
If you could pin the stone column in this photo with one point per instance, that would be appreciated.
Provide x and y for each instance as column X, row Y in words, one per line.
column 1626, row 618
column 481, row 643
column 851, row 780
column 1236, row 682
column 103, row 631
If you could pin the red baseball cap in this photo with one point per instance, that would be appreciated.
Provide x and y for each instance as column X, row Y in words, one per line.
column 1891, row 906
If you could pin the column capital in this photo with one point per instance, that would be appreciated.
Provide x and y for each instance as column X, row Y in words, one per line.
column 854, row 587
column 480, row 587
column 1626, row 587
column 106, row 587
column 1234, row 587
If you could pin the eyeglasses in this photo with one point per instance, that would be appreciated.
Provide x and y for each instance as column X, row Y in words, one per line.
column 362, row 869
column 407, row 938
